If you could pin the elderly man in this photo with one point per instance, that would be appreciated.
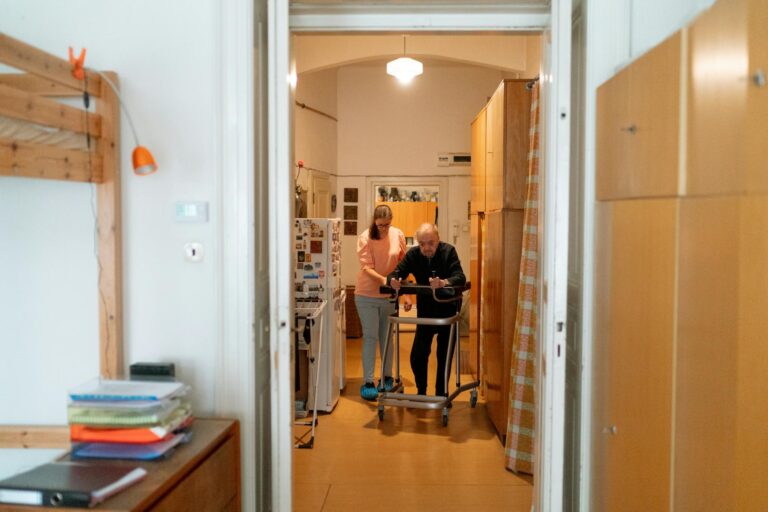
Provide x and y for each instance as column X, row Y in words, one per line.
column 436, row 264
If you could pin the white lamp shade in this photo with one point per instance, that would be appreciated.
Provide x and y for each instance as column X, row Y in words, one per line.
column 404, row 69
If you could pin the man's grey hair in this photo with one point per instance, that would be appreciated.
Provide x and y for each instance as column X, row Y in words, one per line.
column 427, row 227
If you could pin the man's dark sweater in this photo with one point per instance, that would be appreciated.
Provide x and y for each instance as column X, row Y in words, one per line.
column 446, row 265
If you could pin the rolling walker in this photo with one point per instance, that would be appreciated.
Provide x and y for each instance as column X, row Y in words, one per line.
column 396, row 397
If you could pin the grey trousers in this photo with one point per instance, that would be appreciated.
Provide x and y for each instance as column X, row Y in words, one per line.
column 373, row 313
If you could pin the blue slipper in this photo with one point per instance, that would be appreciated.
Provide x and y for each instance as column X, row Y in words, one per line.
column 369, row 392
column 389, row 383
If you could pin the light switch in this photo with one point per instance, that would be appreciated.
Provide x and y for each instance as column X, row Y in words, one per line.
column 192, row 211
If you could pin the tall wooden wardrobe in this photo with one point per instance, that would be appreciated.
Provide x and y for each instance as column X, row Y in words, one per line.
column 499, row 170
column 680, row 403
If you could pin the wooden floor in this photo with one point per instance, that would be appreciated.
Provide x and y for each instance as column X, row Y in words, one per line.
column 408, row 462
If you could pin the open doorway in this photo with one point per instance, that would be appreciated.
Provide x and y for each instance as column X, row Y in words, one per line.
column 380, row 142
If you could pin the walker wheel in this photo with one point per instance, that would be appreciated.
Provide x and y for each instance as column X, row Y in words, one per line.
column 445, row 417
column 381, row 414
column 473, row 399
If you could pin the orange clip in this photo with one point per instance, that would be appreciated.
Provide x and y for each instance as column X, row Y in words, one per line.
column 78, row 64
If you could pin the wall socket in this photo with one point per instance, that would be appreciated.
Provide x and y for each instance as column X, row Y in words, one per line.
column 193, row 252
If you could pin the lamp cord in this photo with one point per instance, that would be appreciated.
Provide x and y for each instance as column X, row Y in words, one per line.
column 122, row 104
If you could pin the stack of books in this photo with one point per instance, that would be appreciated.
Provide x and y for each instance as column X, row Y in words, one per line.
column 127, row 419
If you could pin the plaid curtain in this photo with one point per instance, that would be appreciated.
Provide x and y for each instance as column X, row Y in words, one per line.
column 522, row 415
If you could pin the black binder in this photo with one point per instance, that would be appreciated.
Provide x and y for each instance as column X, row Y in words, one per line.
column 68, row 484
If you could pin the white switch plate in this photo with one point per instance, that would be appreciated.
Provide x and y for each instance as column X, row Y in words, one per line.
column 193, row 252
column 192, row 211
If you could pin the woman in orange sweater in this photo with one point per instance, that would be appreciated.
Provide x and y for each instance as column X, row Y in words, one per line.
column 379, row 249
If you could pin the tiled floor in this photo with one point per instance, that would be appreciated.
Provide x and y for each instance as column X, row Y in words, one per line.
column 409, row 461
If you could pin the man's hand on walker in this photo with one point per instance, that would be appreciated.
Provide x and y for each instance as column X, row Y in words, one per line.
column 436, row 282
column 395, row 284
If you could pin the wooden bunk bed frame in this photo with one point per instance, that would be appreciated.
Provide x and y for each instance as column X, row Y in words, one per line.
column 27, row 97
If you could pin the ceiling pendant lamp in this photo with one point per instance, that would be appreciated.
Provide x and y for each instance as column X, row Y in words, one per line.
column 404, row 68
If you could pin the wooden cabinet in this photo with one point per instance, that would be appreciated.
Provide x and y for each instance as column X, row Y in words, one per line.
column 682, row 284
column 500, row 139
column 500, row 280
column 638, row 127
column 409, row 215
column 203, row 474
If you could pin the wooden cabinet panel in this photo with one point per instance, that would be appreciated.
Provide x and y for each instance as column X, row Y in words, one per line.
column 494, row 148
column 654, row 106
column 478, row 163
column 408, row 216
column 508, row 119
column 638, row 322
column 757, row 98
column 517, row 123
column 196, row 492
column 474, row 271
column 612, row 140
column 500, row 280
column 706, row 373
column 474, row 292
column 717, row 99
column 601, row 420
column 638, row 143
column 752, row 395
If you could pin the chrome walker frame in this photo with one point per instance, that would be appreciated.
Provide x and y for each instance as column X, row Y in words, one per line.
column 396, row 397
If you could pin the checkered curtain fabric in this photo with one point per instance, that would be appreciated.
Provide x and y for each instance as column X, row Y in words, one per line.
column 520, row 423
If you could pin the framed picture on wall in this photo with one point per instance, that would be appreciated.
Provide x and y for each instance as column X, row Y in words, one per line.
column 350, row 212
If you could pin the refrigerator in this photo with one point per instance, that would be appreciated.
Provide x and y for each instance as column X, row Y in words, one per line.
column 317, row 274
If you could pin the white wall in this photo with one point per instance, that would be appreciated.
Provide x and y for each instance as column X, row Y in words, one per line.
column 315, row 136
column 387, row 129
column 48, row 308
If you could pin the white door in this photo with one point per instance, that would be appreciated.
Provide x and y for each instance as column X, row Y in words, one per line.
column 553, row 220
column 281, row 84
column 243, row 387
column 320, row 187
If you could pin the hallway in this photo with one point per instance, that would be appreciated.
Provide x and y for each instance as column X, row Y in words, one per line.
column 408, row 462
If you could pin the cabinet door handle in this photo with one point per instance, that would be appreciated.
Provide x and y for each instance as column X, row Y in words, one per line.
column 758, row 78
column 610, row 430
column 632, row 129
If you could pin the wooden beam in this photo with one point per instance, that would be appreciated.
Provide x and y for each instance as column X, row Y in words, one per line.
column 110, row 236
column 30, row 107
column 32, row 160
column 28, row 58
column 37, row 85
column 24, row 436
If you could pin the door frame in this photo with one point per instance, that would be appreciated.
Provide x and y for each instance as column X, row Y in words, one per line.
column 555, row 80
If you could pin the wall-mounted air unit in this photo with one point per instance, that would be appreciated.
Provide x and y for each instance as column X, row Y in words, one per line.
column 453, row 159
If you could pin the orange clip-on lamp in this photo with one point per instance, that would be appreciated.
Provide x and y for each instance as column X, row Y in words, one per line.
column 143, row 161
